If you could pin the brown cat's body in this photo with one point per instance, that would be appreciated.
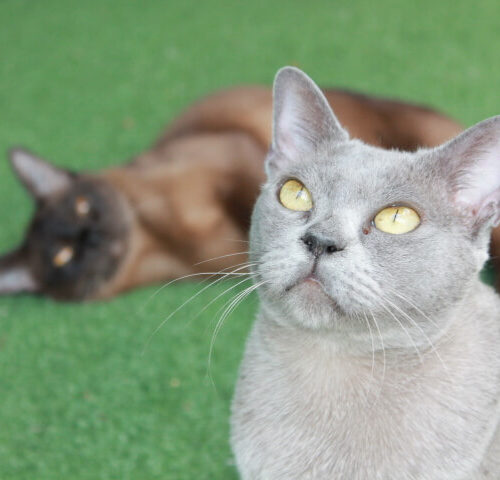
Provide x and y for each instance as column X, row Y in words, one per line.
column 185, row 201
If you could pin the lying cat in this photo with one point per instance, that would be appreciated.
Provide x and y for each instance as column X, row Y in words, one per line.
column 95, row 235
column 186, row 200
column 376, row 350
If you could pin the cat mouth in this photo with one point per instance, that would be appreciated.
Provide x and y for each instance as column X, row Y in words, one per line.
column 313, row 284
column 309, row 279
column 312, row 280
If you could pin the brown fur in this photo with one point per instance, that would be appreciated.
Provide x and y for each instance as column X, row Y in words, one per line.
column 189, row 198
column 382, row 122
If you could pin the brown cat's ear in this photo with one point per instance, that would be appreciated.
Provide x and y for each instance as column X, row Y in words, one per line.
column 15, row 274
column 470, row 164
column 302, row 117
column 38, row 176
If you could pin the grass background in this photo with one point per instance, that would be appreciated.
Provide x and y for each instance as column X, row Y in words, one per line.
column 89, row 84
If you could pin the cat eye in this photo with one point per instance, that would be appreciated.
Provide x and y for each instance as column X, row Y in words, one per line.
column 82, row 206
column 397, row 220
column 63, row 256
column 295, row 196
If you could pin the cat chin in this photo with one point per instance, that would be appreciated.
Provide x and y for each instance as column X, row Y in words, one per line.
column 308, row 303
column 305, row 304
column 313, row 293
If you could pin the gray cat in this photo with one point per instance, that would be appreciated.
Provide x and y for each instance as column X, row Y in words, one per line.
column 376, row 351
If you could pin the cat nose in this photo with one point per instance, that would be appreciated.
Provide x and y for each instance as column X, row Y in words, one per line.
column 317, row 246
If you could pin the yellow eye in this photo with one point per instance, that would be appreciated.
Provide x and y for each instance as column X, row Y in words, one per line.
column 295, row 196
column 63, row 256
column 397, row 220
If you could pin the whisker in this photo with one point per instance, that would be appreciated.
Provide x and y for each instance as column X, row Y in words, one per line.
column 433, row 348
column 220, row 295
column 412, row 320
column 222, row 256
column 404, row 329
column 384, row 358
column 225, row 275
column 373, row 343
column 235, row 240
column 199, row 274
column 232, row 306
column 393, row 292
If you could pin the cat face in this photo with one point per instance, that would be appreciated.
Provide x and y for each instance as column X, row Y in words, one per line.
column 76, row 238
column 328, row 259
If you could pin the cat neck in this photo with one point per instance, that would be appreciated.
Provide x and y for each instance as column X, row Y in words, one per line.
column 470, row 320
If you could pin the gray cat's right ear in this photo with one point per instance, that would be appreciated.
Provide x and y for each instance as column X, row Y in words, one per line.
column 470, row 163
column 39, row 177
column 302, row 117
column 15, row 274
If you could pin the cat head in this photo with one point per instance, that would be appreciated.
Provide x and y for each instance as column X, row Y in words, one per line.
column 75, row 239
column 344, row 233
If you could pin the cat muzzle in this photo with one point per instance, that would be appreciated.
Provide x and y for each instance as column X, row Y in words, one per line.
column 319, row 246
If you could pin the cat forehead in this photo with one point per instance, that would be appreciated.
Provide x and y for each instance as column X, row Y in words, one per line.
column 83, row 186
column 356, row 167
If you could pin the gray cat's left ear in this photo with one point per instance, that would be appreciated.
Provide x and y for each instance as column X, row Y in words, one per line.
column 471, row 165
column 302, row 117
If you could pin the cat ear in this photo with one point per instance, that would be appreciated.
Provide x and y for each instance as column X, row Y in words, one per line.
column 302, row 117
column 471, row 166
column 15, row 274
column 38, row 176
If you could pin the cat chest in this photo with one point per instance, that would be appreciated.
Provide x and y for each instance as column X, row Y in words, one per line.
column 350, row 427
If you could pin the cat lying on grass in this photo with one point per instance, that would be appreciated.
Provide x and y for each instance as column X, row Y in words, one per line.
column 184, row 201
column 376, row 349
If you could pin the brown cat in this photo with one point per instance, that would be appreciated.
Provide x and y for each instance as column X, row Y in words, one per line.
column 186, row 200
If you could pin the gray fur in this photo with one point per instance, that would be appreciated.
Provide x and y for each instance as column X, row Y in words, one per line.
column 38, row 176
column 17, row 278
column 388, row 365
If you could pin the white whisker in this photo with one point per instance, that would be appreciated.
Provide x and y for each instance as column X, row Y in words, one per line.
column 199, row 274
column 384, row 358
column 433, row 348
column 220, row 295
column 373, row 343
column 222, row 256
column 404, row 329
column 225, row 275
column 393, row 292
column 233, row 304
column 235, row 240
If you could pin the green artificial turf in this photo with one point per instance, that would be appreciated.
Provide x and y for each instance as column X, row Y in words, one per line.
column 89, row 84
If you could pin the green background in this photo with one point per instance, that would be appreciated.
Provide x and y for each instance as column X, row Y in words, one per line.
column 83, row 394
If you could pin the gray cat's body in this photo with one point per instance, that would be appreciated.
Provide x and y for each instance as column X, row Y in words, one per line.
column 374, row 355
